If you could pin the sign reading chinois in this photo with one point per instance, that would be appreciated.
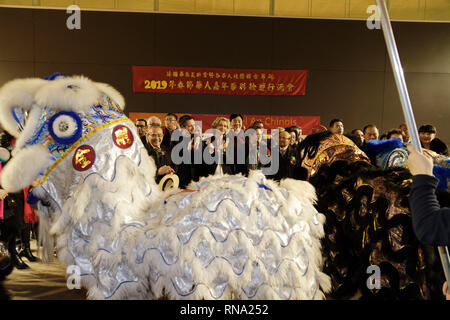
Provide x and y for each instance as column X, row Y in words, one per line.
column 156, row 79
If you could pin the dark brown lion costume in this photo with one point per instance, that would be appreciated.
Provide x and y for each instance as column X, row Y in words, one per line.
column 368, row 223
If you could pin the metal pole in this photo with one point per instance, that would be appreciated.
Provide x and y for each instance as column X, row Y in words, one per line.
column 406, row 103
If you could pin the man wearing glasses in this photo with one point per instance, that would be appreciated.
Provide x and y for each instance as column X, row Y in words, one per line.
column 141, row 125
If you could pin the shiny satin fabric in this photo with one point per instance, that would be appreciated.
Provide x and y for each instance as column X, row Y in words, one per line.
column 62, row 179
column 335, row 147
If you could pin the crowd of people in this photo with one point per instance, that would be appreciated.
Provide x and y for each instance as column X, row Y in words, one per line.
column 180, row 147
column 430, row 221
column 229, row 136
column 229, row 145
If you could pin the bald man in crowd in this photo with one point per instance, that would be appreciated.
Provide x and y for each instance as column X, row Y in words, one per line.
column 159, row 153
column 289, row 163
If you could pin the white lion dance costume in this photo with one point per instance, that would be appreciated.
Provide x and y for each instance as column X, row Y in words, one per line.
column 227, row 237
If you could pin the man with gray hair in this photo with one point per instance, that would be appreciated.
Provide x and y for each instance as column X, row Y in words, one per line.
column 154, row 121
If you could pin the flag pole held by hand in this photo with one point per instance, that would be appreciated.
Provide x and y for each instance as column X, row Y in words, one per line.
column 405, row 101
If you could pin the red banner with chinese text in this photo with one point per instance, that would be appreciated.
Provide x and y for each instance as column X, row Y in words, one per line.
column 156, row 79
column 270, row 122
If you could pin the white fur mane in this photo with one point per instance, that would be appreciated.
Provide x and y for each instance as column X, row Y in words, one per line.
column 76, row 93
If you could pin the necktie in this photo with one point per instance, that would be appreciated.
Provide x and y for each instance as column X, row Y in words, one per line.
column 158, row 153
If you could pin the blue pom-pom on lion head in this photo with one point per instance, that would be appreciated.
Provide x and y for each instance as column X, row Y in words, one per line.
column 443, row 174
column 387, row 153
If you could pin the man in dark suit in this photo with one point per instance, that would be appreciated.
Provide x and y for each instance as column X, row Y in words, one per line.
column 187, row 151
column 171, row 124
column 289, row 164
column 159, row 153
column 141, row 125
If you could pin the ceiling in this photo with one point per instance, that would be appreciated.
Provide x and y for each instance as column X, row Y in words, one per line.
column 406, row 10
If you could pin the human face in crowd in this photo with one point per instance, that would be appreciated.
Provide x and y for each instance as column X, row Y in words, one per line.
column 426, row 138
column 299, row 134
column 293, row 138
column 171, row 123
column 397, row 136
column 154, row 122
column 222, row 126
column 259, row 125
column 140, row 125
column 360, row 134
column 156, row 136
column 259, row 133
column 190, row 126
column 371, row 133
column 285, row 139
column 405, row 131
column 338, row 128
column 236, row 124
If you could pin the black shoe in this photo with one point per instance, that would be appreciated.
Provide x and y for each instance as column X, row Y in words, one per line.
column 28, row 254
column 18, row 262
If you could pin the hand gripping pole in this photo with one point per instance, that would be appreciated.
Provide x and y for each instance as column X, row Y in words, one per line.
column 406, row 103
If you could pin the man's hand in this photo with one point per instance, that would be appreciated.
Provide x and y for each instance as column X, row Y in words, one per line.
column 165, row 170
column 419, row 163
column 3, row 194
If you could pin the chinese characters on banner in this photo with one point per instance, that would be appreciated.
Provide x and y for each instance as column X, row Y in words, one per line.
column 156, row 79
column 270, row 122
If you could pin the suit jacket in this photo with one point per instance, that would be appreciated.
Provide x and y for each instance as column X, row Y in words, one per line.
column 289, row 165
column 167, row 139
column 187, row 172
column 162, row 158
column 237, row 142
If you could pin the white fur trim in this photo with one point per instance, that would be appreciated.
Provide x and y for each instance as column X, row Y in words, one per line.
column 29, row 130
column 17, row 93
column 76, row 93
column 112, row 93
column 24, row 167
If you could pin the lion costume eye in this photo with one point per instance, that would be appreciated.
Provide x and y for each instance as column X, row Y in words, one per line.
column 65, row 127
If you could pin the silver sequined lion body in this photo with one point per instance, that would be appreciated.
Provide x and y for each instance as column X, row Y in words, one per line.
column 226, row 237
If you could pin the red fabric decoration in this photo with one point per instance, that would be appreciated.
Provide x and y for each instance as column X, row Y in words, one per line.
column 29, row 214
